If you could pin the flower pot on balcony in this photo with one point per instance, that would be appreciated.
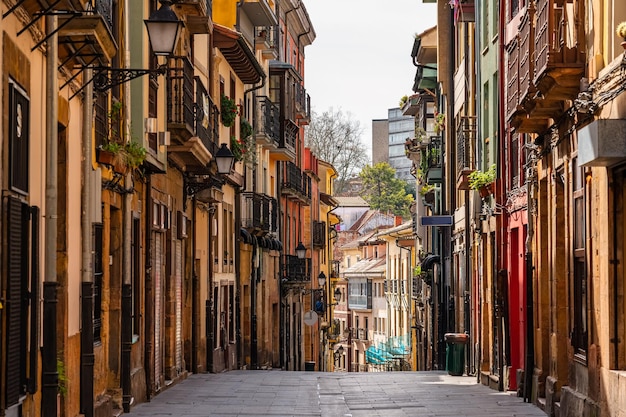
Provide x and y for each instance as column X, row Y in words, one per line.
column 486, row 190
column 105, row 157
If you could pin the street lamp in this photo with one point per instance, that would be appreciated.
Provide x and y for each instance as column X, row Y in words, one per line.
column 321, row 279
column 163, row 28
column 300, row 251
column 224, row 159
column 337, row 294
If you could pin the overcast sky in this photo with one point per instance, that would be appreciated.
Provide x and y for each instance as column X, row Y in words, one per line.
column 361, row 59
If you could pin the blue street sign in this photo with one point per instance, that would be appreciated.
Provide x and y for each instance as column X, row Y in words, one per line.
column 436, row 220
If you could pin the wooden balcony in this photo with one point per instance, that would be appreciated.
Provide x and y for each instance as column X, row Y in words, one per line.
column 559, row 56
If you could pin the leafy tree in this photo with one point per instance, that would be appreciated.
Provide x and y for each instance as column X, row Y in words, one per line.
column 383, row 191
column 335, row 138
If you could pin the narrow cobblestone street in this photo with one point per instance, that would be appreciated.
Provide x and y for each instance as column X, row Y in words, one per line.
column 280, row 393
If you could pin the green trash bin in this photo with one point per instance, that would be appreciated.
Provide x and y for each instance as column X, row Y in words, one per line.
column 309, row 366
column 455, row 352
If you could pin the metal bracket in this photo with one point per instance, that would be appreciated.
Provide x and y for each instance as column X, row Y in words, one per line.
column 105, row 77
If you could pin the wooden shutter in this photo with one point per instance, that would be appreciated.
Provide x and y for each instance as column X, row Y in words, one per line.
column 158, row 309
column 17, row 300
column 179, row 306
column 34, row 301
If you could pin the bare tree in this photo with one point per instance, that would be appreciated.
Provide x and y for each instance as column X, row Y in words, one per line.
column 335, row 138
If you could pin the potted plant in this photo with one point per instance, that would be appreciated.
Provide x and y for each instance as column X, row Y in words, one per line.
column 107, row 153
column 134, row 154
column 228, row 111
column 483, row 181
column 621, row 32
column 440, row 122
column 427, row 191
column 403, row 101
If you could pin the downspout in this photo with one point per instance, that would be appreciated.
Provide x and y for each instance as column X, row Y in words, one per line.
column 472, row 293
column 86, row 334
column 210, row 311
column 238, row 336
column 126, row 328
column 195, row 292
column 50, row 375
column 286, row 29
column 254, row 357
column 148, row 304
column 253, row 268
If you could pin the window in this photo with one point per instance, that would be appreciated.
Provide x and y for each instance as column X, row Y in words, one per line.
column 18, row 138
column 579, row 332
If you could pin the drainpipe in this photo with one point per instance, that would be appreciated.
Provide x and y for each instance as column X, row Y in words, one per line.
column 254, row 357
column 210, row 335
column 126, row 327
column 148, row 304
column 254, row 270
column 50, row 375
column 195, row 293
column 86, row 334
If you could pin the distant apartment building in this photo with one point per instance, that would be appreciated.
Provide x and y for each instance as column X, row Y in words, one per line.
column 388, row 138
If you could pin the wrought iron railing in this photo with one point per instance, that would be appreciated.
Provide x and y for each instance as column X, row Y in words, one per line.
column 207, row 118
column 296, row 269
column 296, row 181
column 252, row 208
column 465, row 137
column 289, row 136
column 180, row 103
column 105, row 9
column 271, row 36
column 267, row 120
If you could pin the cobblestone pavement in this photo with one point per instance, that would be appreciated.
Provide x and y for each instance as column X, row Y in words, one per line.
column 282, row 393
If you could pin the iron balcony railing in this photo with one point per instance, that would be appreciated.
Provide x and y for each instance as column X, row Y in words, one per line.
column 296, row 269
column 270, row 36
column 207, row 118
column 296, row 181
column 259, row 212
column 105, row 9
column 303, row 101
column 267, row 120
column 180, row 103
column 465, row 139
column 289, row 135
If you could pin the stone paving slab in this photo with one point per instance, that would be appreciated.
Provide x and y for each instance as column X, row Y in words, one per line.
column 279, row 393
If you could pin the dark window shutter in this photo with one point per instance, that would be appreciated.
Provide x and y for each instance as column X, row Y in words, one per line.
column 17, row 300
column 33, row 368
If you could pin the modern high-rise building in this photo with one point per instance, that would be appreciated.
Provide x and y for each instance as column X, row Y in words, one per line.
column 388, row 139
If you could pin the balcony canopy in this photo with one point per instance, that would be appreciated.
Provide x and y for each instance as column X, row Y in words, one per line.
column 238, row 54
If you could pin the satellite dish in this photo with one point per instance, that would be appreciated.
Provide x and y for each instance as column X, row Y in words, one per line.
column 310, row 318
